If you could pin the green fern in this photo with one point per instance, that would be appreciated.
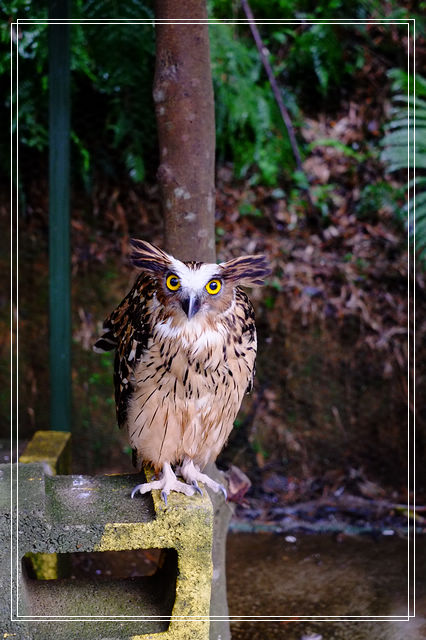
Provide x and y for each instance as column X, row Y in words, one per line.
column 248, row 125
column 404, row 147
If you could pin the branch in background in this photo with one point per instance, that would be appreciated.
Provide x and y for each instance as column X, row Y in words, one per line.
column 284, row 113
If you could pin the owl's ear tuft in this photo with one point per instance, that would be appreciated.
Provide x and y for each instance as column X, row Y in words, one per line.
column 246, row 270
column 148, row 257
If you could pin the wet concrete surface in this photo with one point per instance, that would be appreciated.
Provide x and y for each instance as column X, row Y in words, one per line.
column 317, row 575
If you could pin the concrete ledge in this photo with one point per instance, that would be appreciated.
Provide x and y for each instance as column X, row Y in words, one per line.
column 66, row 514
column 52, row 448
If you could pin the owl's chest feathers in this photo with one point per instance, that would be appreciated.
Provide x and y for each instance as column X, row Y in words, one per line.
column 188, row 386
column 193, row 363
column 182, row 363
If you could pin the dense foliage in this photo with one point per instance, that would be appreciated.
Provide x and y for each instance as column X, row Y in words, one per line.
column 113, row 125
column 331, row 391
column 112, row 71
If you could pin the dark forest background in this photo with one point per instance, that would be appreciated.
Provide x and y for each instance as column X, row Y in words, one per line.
column 333, row 392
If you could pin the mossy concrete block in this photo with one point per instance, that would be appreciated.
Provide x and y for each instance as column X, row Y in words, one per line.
column 65, row 514
column 52, row 449
column 8, row 574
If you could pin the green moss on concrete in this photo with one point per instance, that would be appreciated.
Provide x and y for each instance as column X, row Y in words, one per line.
column 185, row 524
column 180, row 630
column 64, row 514
column 52, row 448
column 45, row 565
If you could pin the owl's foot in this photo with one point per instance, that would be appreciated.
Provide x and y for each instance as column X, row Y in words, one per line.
column 191, row 473
column 166, row 483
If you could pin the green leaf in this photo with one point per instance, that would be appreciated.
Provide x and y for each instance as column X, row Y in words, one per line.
column 401, row 152
column 135, row 166
column 340, row 146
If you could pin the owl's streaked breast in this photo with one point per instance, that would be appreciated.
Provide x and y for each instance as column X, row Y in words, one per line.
column 189, row 383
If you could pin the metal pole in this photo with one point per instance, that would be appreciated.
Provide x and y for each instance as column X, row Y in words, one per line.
column 59, row 218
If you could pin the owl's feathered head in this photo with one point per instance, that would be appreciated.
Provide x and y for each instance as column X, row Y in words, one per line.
column 194, row 287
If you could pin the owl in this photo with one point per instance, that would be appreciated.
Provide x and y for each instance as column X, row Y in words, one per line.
column 185, row 350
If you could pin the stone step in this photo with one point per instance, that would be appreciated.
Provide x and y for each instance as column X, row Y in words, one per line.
column 73, row 514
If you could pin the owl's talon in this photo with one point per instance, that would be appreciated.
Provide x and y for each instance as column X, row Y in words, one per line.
column 197, row 488
column 166, row 483
column 142, row 488
column 192, row 474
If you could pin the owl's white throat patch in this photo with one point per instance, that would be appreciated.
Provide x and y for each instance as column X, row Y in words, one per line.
column 194, row 334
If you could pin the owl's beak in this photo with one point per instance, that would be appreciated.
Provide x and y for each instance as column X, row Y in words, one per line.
column 191, row 305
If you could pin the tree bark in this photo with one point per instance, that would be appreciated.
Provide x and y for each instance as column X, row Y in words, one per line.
column 184, row 105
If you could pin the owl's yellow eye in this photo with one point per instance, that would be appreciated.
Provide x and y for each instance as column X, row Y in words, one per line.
column 172, row 282
column 213, row 286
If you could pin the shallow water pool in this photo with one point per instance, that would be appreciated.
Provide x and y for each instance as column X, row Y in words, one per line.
column 317, row 575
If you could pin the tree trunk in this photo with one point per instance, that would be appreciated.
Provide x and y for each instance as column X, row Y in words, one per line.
column 184, row 105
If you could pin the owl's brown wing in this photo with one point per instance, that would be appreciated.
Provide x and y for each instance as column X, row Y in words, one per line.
column 127, row 330
column 248, row 327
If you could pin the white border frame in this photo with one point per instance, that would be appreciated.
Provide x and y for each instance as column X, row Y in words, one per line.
column 14, row 500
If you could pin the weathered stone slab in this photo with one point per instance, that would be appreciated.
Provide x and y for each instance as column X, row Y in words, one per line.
column 66, row 514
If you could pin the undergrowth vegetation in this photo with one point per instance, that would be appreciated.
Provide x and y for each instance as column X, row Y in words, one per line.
column 315, row 63
column 112, row 71
column 333, row 319
column 405, row 150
